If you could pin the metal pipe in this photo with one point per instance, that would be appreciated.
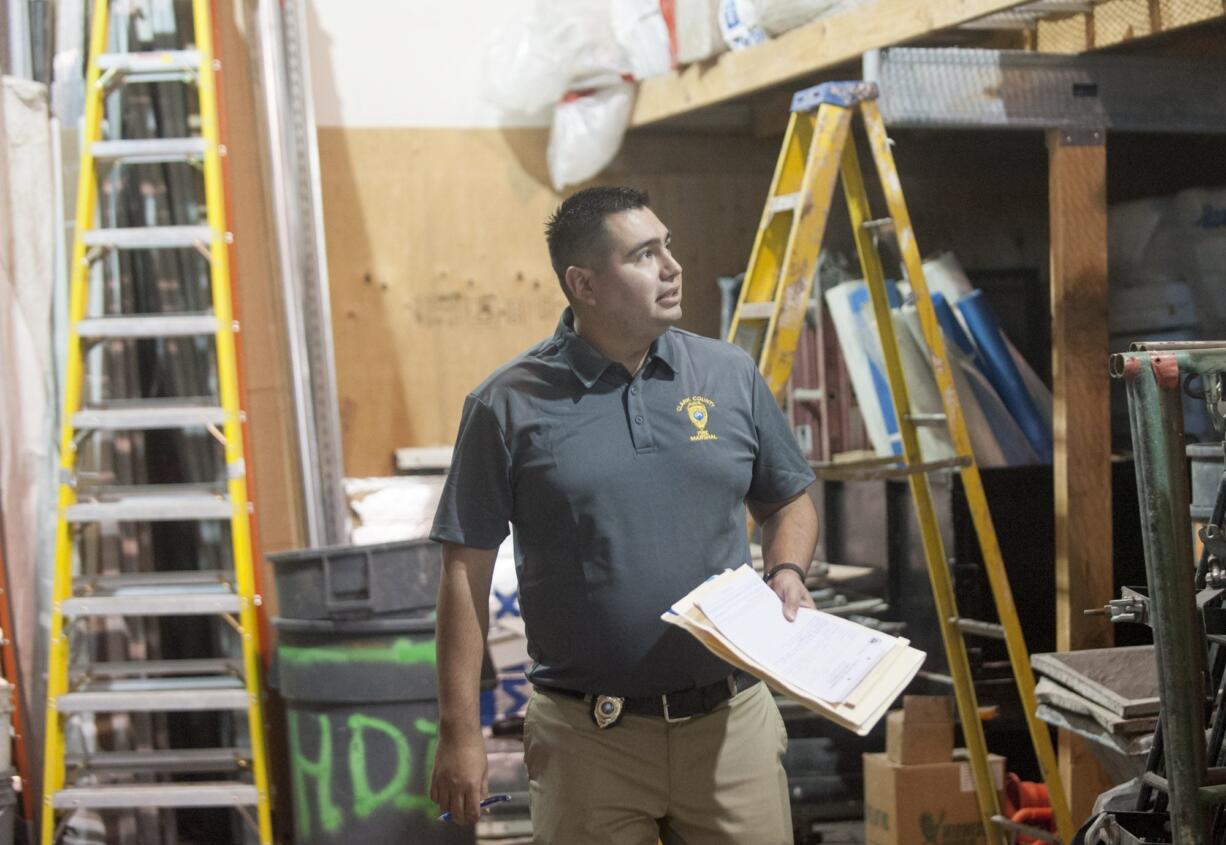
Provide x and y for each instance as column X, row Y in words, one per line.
column 316, row 294
column 1175, row 345
column 17, row 46
column 272, row 69
column 1155, row 405
column 1207, row 360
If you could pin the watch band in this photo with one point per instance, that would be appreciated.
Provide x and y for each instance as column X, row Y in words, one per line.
column 780, row 567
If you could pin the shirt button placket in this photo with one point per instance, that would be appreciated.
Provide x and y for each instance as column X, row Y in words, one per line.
column 640, row 432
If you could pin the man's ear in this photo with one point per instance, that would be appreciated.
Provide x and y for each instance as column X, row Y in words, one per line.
column 579, row 281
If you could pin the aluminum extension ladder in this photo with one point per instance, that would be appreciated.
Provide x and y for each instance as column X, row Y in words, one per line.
column 769, row 316
column 102, row 781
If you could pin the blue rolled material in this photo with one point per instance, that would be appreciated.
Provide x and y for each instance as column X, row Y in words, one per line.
column 998, row 365
column 950, row 325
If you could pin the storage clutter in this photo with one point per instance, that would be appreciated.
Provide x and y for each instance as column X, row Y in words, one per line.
column 355, row 665
column 579, row 62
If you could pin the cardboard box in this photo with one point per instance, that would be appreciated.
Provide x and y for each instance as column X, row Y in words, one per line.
column 921, row 732
column 928, row 804
column 912, row 743
column 928, row 708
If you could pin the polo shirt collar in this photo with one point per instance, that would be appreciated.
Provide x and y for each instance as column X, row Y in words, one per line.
column 589, row 365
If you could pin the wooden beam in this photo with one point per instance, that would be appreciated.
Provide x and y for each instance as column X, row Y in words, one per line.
column 805, row 50
column 1077, row 197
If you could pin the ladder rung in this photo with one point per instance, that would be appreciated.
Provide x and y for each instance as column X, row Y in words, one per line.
column 162, row 668
column 783, row 202
column 808, row 394
column 120, row 796
column 164, row 760
column 156, row 695
column 1008, row 824
column 147, row 326
column 151, row 508
column 158, row 604
column 149, row 237
column 149, row 415
column 991, row 630
column 877, row 470
column 881, row 224
column 149, row 150
column 756, row 310
column 167, row 581
column 927, row 419
column 156, row 63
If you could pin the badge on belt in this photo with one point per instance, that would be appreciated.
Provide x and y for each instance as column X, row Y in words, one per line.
column 607, row 710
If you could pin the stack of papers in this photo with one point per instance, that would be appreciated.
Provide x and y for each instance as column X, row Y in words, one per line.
column 848, row 673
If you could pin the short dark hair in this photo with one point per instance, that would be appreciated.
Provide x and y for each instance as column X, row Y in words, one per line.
column 576, row 233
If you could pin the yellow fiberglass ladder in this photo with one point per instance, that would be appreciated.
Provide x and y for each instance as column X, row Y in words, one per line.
column 819, row 146
column 221, row 689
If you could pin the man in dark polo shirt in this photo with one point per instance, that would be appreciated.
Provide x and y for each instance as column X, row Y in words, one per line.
column 623, row 451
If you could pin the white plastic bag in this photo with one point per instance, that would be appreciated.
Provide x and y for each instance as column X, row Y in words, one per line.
column 534, row 60
column 698, row 35
column 640, row 29
column 587, row 133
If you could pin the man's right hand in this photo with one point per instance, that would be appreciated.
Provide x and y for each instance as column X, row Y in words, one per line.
column 460, row 778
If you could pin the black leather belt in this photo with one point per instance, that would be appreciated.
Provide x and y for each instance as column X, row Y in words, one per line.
column 673, row 707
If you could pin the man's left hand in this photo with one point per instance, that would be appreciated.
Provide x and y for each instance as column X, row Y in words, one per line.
column 792, row 591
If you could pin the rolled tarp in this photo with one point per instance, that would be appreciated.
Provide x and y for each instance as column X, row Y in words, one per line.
column 995, row 438
column 947, row 279
column 1002, row 371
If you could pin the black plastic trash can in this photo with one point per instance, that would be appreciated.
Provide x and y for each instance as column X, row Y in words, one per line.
column 357, row 582
column 362, row 717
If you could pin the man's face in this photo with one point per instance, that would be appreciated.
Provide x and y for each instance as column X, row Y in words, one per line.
column 637, row 287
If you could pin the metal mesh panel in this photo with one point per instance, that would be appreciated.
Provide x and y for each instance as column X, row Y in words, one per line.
column 1114, row 21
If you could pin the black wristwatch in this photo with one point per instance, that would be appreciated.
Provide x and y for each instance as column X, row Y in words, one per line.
column 780, row 567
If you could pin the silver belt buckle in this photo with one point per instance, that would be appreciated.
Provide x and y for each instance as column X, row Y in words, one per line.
column 668, row 718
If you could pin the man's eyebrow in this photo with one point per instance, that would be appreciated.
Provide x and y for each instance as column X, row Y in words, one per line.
column 668, row 236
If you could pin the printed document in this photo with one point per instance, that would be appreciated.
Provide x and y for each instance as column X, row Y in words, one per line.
column 847, row 672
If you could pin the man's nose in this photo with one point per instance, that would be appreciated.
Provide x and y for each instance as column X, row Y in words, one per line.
column 671, row 267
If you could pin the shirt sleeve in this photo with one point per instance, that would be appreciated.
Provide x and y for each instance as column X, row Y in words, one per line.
column 475, row 507
column 780, row 469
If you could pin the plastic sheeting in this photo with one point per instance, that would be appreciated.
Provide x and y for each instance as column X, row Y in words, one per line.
column 852, row 315
column 698, row 33
column 1181, row 238
column 998, row 364
column 27, row 255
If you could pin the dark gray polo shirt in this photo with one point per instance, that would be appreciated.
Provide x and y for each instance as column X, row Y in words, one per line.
column 625, row 493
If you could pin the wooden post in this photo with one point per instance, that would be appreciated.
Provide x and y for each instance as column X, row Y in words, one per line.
column 1077, row 199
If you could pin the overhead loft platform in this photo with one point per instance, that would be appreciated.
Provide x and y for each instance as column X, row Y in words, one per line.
column 812, row 51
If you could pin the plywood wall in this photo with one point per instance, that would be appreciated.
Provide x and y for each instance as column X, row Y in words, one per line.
column 439, row 271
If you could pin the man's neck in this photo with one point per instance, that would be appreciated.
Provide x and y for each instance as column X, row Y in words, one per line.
column 630, row 355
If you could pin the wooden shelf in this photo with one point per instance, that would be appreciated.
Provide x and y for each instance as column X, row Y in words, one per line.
column 803, row 51
column 1054, row 26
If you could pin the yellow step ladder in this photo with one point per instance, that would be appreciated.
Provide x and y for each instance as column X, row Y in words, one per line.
column 228, row 684
column 818, row 146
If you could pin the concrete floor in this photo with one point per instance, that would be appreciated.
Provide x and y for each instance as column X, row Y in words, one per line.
column 833, row 833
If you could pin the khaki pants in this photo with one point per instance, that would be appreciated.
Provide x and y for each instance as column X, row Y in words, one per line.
column 715, row 779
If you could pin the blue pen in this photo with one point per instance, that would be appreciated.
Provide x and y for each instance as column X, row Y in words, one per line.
column 485, row 802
